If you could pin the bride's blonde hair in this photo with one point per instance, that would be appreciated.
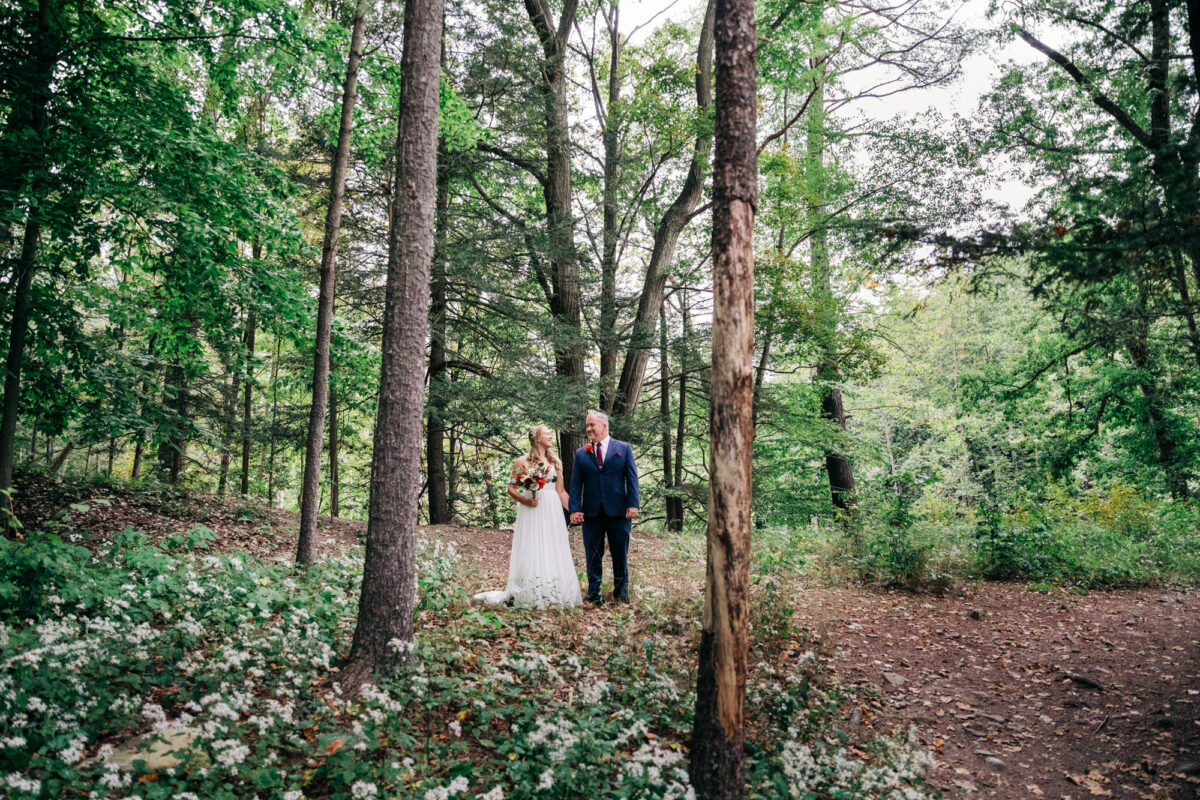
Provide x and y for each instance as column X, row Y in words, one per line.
column 547, row 453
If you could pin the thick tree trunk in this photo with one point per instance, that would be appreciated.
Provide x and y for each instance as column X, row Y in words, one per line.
column 384, row 633
column 24, row 170
column 674, row 220
column 560, row 223
column 435, row 430
column 718, row 736
column 306, row 547
column 607, row 327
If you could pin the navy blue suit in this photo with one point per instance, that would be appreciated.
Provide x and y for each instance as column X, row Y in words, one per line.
column 603, row 494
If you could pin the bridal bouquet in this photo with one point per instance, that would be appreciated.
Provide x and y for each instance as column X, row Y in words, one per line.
column 533, row 478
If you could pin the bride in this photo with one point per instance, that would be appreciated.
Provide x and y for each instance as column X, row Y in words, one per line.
column 540, row 569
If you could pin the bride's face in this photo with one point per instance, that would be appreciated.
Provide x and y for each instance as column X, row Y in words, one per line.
column 545, row 438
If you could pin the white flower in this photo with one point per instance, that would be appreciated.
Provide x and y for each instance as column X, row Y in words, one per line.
column 495, row 794
column 362, row 789
column 546, row 782
column 16, row 781
column 455, row 727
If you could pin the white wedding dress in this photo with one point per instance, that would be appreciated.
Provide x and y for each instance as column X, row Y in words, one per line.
column 540, row 569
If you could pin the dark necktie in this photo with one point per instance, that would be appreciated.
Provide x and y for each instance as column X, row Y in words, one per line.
column 599, row 455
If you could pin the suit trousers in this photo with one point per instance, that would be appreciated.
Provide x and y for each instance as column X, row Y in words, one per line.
column 596, row 531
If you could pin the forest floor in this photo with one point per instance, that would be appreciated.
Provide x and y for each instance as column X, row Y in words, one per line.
column 1017, row 693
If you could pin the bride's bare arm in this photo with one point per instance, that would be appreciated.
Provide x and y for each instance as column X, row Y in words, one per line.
column 515, row 491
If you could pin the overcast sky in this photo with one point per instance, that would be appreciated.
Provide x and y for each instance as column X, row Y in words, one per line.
column 979, row 72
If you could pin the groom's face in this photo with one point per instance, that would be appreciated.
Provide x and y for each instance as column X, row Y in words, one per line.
column 597, row 429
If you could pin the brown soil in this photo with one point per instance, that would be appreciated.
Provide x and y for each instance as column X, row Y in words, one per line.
column 1074, row 696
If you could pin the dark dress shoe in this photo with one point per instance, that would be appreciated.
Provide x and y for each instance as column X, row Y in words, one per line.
column 621, row 599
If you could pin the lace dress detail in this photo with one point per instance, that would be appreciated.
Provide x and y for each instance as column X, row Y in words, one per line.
column 541, row 571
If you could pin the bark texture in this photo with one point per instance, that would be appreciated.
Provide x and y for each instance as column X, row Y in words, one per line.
column 384, row 632
column 435, row 427
column 718, row 736
column 666, row 237
column 29, row 112
column 310, row 495
column 565, row 303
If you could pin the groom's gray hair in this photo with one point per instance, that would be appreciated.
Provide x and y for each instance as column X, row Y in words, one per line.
column 603, row 417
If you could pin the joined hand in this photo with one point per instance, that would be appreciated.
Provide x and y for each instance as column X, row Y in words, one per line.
column 631, row 513
column 577, row 518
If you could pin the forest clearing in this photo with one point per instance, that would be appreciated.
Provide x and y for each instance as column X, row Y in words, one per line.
column 683, row 399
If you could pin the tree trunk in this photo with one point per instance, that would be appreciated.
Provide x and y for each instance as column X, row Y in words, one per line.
column 248, row 393
column 306, row 547
column 664, row 410
column 435, row 430
column 229, row 429
column 452, row 470
column 27, row 169
column 384, row 633
column 565, row 303
column 493, row 507
column 62, row 457
column 674, row 220
column 173, row 449
column 1185, row 299
column 16, row 351
column 274, row 420
column 718, row 735
column 334, row 478
column 675, row 513
column 837, row 465
column 607, row 327
column 1160, row 429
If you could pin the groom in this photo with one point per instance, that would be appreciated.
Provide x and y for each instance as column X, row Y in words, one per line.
column 604, row 497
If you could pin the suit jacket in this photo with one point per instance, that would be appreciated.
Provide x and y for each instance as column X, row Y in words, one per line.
column 609, row 489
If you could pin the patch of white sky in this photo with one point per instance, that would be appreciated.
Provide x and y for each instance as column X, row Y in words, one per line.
column 960, row 98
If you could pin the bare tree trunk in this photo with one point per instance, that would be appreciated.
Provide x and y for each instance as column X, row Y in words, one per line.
column 675, row 513
column 274, row 419
column 435, row 428
column 452, row 471
column 560, row 224
column 248, row 394
column 674, row 220
column 334, row 478
column 228, row 431
column 173, row 449
column 718, row 735
column 493, row 508
column 62, row 457
column 837, row 464
column 29, row 112
column 607, row 328
column 664, row 409
column 384, row 633
column 306, row 547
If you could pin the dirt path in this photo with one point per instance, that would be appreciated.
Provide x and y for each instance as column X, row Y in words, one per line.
column 986, row 681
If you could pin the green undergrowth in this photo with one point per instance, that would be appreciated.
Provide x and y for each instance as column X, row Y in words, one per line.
column 1100, row 539
column 124, row 638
